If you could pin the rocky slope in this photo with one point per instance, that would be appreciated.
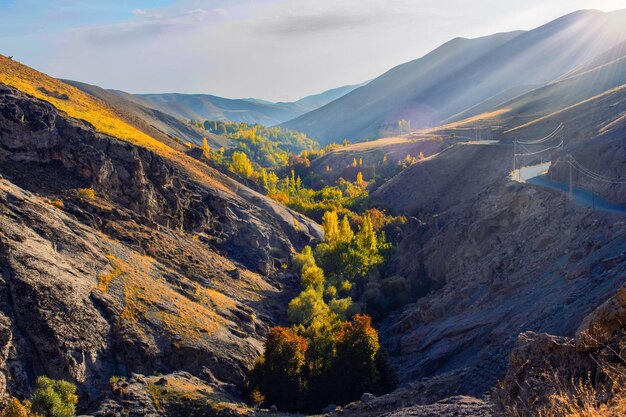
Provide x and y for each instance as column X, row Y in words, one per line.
column 116, row 260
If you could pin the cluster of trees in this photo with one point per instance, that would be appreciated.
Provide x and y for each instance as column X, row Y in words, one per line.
column 331, row 354
column 305, row 369
column 52, row 398
column 269, row 147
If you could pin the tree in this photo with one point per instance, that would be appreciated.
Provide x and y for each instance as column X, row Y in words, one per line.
column 278, row 375
column 312, row 276
column 16, row 409
column 242, row 165
column 54, row 398
column 367, row 241
column 303, row 259
column 330, row 224
column 206, row 150
column 355, row 366
column 308, row 307
column 359, row 179
column 345, row 231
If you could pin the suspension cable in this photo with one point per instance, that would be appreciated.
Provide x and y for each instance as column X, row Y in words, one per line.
column 541, row 151
column 544, row 139
column 582, row 169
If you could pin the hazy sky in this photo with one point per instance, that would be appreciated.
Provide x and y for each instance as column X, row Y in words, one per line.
column 269, row 49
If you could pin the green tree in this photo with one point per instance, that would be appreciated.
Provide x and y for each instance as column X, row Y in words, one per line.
column 307, row 307
column 54, row 398
column 303, row 259
column 312, row 276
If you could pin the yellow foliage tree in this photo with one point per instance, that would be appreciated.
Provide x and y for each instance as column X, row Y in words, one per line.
column 312, row 276
column 242, row 165
column 345, row 231
column 359, row 179
column 206, row 149
column 16, row 409
column 330, row 224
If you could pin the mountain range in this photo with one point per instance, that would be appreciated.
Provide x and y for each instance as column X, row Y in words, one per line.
column 462, row 74
column 135, row 266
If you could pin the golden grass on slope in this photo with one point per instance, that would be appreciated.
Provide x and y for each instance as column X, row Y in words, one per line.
column 548, row 116
column 104, row 118
column 149, row 299
column 215, row 299
column 469, row 120
column 78, row 104
column 104, row 280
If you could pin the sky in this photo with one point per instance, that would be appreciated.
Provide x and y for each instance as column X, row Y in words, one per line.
column 277, row 50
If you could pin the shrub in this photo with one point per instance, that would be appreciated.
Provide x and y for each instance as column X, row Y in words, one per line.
column 16, row 409
column 54, row 398
column 87, row 193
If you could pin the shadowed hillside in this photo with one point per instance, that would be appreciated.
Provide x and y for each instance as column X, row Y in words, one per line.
column 463, row 73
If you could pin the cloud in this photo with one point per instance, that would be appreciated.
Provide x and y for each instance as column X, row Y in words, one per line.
column 145, row 25
column 303, row 18
column 306, row 24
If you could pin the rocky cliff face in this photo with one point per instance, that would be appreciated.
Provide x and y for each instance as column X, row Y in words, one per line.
column 47, row 152
column 513, row 258
column 152, row 273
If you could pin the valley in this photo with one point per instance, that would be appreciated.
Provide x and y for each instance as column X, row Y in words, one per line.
column 447, row 239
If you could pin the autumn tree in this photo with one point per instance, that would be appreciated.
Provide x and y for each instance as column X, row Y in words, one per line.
column 345, row 232
column 242, row 165
column 330, row 224
column 359, row 179
column 355, row 364
column 308, row 307
column 312, row 276
column 16, row 409
column 279, row 374
column 206, row 149
column 303, row 259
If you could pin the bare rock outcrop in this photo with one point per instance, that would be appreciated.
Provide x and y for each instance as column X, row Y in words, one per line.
column 36, row 141
column 540, row 364
column 136, row 277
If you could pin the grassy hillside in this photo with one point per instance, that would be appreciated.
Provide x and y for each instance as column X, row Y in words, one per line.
column 75, row 103
column 104, row 118
column 157, row 123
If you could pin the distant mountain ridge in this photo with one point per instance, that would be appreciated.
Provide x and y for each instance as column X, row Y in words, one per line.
column 249, row 110
column 463, row 73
